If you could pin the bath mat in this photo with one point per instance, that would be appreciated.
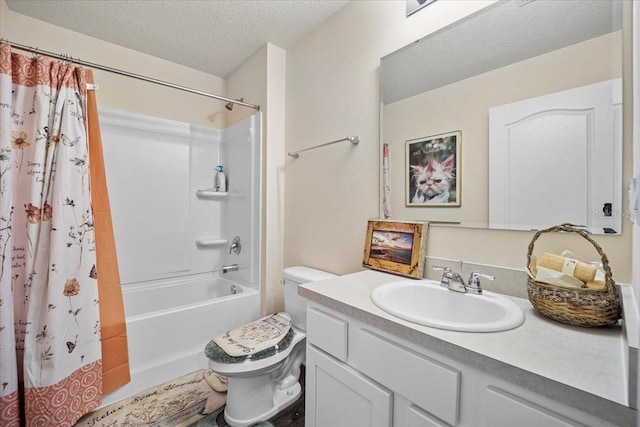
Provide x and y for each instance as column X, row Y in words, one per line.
column 255, row 336
column 217, row 382
column 177, row 403
column 212, row 420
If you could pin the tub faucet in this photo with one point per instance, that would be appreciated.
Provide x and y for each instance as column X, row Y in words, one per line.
column 228, row 268
column 455, row 282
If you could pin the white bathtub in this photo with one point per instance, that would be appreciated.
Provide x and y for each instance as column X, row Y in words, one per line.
column 169, row 322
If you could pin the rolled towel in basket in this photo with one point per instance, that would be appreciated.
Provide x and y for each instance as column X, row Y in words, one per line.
column 579, row 270
column 597, row 284
column 558, row 278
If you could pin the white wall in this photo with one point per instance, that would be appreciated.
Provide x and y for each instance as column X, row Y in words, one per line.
column 159, row 164
column 241, row 159
column 332, row 92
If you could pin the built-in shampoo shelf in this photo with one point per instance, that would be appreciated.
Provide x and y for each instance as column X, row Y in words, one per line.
column 211, row 242
column 210, row 193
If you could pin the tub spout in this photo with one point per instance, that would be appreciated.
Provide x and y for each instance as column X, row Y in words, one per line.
column 228, row 268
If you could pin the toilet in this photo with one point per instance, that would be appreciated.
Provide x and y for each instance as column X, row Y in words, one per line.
column 259, row 389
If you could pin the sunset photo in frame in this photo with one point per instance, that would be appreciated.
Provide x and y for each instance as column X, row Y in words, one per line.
column 432, row 172
column 396, row 247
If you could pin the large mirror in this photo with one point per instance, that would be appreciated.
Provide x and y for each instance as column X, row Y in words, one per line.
column 533, row 93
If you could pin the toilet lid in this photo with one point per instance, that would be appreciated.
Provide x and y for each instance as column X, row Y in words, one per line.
column 255, row 337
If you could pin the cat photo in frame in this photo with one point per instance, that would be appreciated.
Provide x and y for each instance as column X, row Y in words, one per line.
column 433, row 170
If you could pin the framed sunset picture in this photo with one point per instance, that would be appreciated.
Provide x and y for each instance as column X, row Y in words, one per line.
column 396, row 247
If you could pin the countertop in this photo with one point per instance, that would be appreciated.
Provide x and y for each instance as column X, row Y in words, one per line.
column 582, row 366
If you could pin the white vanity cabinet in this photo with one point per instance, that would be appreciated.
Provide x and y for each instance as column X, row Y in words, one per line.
column 339, row 396
column 358, row 375
column 503, row 409
column 336, row 394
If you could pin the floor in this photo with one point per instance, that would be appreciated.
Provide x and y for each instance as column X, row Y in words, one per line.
column 293, row 416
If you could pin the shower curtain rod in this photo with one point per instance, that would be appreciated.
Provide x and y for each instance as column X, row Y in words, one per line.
column 68, row 58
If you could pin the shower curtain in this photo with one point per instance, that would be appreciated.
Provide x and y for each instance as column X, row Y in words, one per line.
column 50, row 352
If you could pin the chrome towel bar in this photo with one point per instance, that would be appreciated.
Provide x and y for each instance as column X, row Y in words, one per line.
column 352, row 139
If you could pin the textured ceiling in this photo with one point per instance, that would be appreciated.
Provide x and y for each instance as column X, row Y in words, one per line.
column 214, row 36
column 499, row 35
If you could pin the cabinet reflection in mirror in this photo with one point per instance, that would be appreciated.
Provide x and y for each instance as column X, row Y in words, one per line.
column 547, row 76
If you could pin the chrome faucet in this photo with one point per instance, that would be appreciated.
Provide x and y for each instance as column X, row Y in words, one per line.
column 455, row 282
column 230, row 267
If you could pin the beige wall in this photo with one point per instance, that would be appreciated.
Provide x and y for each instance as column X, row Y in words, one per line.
column 261, row 80
column 636, row 148
column 4, row 17
column 465, row 105
column 452, row 107
column 332, row 92
column 123, row 92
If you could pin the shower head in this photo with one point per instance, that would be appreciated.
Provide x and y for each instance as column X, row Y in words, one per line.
column 229, row 105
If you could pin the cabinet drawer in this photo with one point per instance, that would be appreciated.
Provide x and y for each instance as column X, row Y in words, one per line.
column 429, row 384
column 327, row 332
column 505, row 410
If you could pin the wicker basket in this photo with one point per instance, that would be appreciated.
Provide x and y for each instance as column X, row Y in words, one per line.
column 575, row 306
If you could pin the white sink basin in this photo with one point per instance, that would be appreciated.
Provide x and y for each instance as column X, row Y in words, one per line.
column 427, row 303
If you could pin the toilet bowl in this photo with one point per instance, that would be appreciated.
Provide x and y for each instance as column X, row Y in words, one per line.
column 259, row 388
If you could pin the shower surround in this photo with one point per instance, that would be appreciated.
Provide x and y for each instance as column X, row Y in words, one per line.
column 173, row 235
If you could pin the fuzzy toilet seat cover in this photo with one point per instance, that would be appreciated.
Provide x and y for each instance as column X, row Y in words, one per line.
column 253, row 341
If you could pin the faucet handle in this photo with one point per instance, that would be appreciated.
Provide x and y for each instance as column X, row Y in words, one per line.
column 475, row 276
column 446, row 275
column 474, row 281
column 236, row 246
column 445, row 269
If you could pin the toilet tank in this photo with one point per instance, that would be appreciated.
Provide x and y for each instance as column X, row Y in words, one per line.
column 294, row 304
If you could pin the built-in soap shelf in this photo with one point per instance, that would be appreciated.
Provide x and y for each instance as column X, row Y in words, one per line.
column 211, row 242
column 210, row 193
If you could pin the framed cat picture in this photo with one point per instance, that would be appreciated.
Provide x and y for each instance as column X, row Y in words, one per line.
column 396, row 247
column 432, row 173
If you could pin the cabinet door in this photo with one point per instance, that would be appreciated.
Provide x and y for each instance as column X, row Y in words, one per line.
column 339, row 396
column 506, row 410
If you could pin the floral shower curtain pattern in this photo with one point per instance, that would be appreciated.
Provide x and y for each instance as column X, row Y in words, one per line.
column 50, row 353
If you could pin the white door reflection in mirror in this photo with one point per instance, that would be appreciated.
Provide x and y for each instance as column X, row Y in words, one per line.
column 577, row 136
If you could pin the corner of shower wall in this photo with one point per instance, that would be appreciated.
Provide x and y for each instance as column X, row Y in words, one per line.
column 207, row 219
column 241, row 154
column 167, row 167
